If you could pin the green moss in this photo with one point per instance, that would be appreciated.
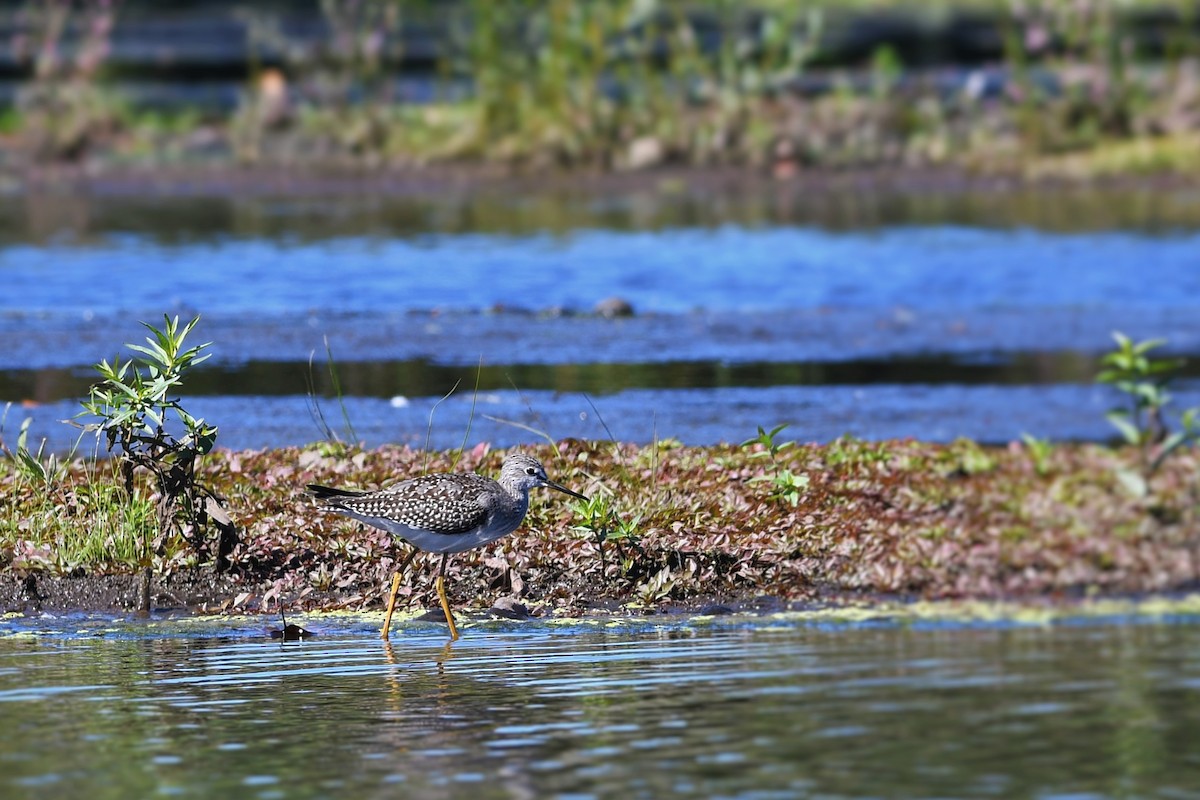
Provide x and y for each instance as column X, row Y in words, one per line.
column 10, row 121
column 1015, row 533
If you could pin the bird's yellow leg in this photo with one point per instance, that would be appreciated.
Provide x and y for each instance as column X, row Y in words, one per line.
column 441, row 590
column 391, row 606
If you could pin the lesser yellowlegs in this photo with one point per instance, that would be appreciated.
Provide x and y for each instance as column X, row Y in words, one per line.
column 444, row 513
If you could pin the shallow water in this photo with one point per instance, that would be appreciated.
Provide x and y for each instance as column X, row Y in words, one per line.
column 727, row 268
column 740, row 707
column 876, row 314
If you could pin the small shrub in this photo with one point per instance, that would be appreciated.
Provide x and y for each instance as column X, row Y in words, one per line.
column 603, row 523
column 1039, row 452
column 787, row 486
column 148, row 429
column 1144, row 381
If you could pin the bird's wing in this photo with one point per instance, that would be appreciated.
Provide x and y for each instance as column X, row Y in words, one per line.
column 436, row 503
column 326, row 492
column 448, row 483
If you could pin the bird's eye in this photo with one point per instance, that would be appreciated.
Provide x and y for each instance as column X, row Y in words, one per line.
column 531, row 471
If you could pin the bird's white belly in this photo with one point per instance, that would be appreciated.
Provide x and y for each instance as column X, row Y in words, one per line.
column 433, row 542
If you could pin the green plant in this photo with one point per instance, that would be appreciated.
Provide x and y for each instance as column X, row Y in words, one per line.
column 771, row 448
column 64, row 44
column 147, row 427
column 786, row 485
column 10, row 121
column 603, row 523
column 967, row 457
column 625, row 83
column 332, row 443
column 63, row 521
column 1039, row 451
column 1144, row 380
column 1088, row 88
column 117, row 526
column 42, row 469
column 850, row 450
column 73, row 517
column 657, row 587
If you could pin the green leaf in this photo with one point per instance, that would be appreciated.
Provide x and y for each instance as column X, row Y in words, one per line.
column 128, row 391
column 1120, row 421
column 105, row 369
column 1144, row 347
column 154, row 353
column 120, row 418
column 206, row 440
column 1151, row 394
column 1132, row 482
column 157, row 389
column 1176, row 439
column 1161, row 372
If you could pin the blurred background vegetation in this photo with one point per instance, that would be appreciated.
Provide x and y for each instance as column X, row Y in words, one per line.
column 1036, row 86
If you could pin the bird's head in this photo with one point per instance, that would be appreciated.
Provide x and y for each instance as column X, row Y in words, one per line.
column 526, row 472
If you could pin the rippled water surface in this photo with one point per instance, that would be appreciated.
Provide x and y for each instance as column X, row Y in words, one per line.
column 878, row 314
column 756, row 708
column 673, row 271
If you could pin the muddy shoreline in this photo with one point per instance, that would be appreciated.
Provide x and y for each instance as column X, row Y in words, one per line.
column 206, row 592
column 448, row 180
column 806, row 525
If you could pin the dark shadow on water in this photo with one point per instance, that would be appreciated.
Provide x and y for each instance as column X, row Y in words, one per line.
column 178, row 217
column 422, row 378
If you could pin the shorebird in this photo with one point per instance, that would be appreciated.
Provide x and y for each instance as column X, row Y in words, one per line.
column 444, row 513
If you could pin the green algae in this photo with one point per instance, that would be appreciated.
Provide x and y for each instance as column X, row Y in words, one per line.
column 917, row 615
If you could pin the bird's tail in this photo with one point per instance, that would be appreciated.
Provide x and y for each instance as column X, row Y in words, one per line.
column 326, row 492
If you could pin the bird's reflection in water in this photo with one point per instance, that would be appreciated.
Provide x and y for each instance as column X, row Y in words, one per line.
column 431, row 713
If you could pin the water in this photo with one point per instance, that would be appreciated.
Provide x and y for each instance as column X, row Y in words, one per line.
column 885, row 314
column 743, row 707
column 881, row 314
column 668, row 272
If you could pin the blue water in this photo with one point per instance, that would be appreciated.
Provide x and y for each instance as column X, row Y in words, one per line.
column 392, row 288
column 985, row 413
column 747, row 708
column 739, row 708
column 670, row 271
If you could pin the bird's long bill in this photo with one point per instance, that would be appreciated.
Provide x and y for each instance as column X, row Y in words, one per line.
column 565, row 490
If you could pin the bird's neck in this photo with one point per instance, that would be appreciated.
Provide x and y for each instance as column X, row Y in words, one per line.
column 519, row 497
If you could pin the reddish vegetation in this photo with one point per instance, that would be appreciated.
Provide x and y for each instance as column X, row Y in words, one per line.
column 707, row 524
